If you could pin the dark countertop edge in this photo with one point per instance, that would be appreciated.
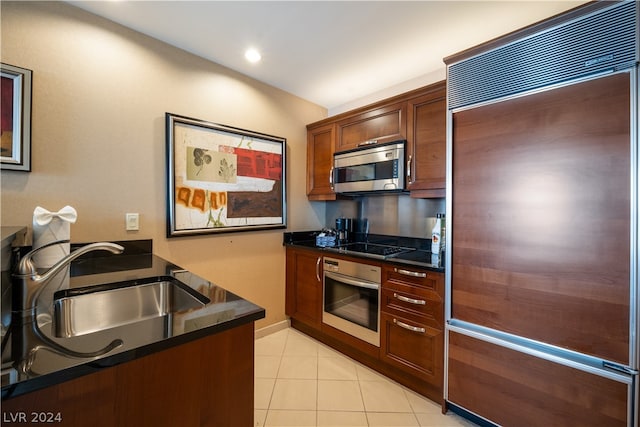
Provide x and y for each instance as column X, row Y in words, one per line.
column 311, row 246
column 48, row 380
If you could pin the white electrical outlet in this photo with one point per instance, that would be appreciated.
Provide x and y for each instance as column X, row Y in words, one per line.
column 132, row 221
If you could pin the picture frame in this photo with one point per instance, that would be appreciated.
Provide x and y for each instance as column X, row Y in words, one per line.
column 223, row 179
column 15, row 111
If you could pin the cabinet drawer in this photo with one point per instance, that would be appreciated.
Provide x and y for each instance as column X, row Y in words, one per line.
column 413, row 347
column 415, row 277
column 422, row 303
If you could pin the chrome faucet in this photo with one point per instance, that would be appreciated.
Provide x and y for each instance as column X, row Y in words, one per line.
column 27, row 338
column 28, row 284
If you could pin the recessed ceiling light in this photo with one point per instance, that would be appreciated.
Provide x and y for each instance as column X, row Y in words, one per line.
column 252, row 55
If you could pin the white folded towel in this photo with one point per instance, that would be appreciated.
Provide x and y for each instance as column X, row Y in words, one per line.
column 50, row 227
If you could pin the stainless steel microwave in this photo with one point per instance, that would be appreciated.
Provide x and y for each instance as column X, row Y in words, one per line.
column 374, row 168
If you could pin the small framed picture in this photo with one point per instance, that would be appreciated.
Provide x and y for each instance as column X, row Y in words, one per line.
column 223, row 179
column 15, row 111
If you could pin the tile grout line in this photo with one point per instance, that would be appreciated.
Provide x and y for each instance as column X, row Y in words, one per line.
column 276, row 379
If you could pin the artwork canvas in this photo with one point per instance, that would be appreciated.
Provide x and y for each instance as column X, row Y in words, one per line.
column 15, row 118
column 223, row 178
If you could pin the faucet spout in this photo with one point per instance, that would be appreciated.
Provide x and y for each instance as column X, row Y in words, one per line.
column 29, row 284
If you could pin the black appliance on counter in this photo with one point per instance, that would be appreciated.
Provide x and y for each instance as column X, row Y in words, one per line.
column 344, row 227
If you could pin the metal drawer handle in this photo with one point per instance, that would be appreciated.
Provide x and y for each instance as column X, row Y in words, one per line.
column 318, row 269
column 409, row 300
column 409, row 327
column 411, row 273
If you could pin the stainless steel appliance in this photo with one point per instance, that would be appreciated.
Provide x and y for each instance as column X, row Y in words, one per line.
column 351, row 298
column 370, row 168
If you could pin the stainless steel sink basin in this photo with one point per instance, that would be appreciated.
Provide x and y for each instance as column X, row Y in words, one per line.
column 91, row 309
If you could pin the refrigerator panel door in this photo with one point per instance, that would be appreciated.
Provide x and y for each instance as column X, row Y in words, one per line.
column 513, row 388
column 541, row 216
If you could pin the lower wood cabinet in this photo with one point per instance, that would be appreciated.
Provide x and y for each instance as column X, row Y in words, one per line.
column 411, row 321
column 412, row 324
column 412, row 346
column 207, row 382
column 304, row 286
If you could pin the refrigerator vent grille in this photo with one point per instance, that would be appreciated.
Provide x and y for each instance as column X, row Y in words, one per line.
column 605, row 40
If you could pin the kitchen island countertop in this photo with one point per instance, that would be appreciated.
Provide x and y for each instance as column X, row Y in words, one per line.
column 44, row 367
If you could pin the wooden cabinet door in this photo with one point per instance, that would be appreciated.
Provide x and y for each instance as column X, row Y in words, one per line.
column 383, row 124
column 208, row 382
column 426, row 143
column 320, row 147
column 413, row 346
column 304, row 286
column 516, row 389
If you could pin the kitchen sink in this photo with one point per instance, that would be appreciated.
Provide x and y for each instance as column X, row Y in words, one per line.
column 91, row 309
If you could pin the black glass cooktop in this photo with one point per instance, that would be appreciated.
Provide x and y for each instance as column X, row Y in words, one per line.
column 372, row 249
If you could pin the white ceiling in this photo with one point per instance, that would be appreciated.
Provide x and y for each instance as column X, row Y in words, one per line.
column 337, row 54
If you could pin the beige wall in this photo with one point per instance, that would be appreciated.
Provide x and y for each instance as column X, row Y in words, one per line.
column 100, row 92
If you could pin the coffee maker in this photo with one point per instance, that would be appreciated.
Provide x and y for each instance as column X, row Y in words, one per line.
column 344, row 228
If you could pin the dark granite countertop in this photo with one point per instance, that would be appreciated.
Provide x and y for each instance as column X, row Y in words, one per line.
column 45, row 367
column 420, row 256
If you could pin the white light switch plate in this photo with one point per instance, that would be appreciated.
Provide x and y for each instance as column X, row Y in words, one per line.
column 132, row 221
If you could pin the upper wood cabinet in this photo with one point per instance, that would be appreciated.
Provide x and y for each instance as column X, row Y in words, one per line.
column 419, row 117
column 320, row 148
column 426, row 142
column 380, row 125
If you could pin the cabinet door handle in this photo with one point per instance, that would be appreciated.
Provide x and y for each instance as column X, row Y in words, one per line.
column 410, row 273
column 409, row 169
column 369, row 142
column 318, row 269
column 409, row 300
column 409, row 327
column 331, row 178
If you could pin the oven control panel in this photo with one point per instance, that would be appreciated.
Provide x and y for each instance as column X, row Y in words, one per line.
column 356, row 270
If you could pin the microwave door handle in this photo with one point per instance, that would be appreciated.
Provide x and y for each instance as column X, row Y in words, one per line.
column 409, row 169
column 331, row 178
column 351, row 281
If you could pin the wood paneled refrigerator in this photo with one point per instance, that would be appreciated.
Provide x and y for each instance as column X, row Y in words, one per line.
column 542, row 223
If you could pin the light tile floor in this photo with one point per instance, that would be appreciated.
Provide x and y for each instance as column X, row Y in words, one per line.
column 301, row 382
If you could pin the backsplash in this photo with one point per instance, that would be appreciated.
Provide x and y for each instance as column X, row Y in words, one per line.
column 393, row 215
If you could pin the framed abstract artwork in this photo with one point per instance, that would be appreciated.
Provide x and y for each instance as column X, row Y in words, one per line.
column 222, row 179
column 15, row 112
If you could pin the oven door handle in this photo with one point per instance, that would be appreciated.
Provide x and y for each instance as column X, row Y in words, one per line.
column 351, row 281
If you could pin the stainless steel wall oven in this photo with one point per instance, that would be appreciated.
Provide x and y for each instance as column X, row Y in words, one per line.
column 351, row 298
